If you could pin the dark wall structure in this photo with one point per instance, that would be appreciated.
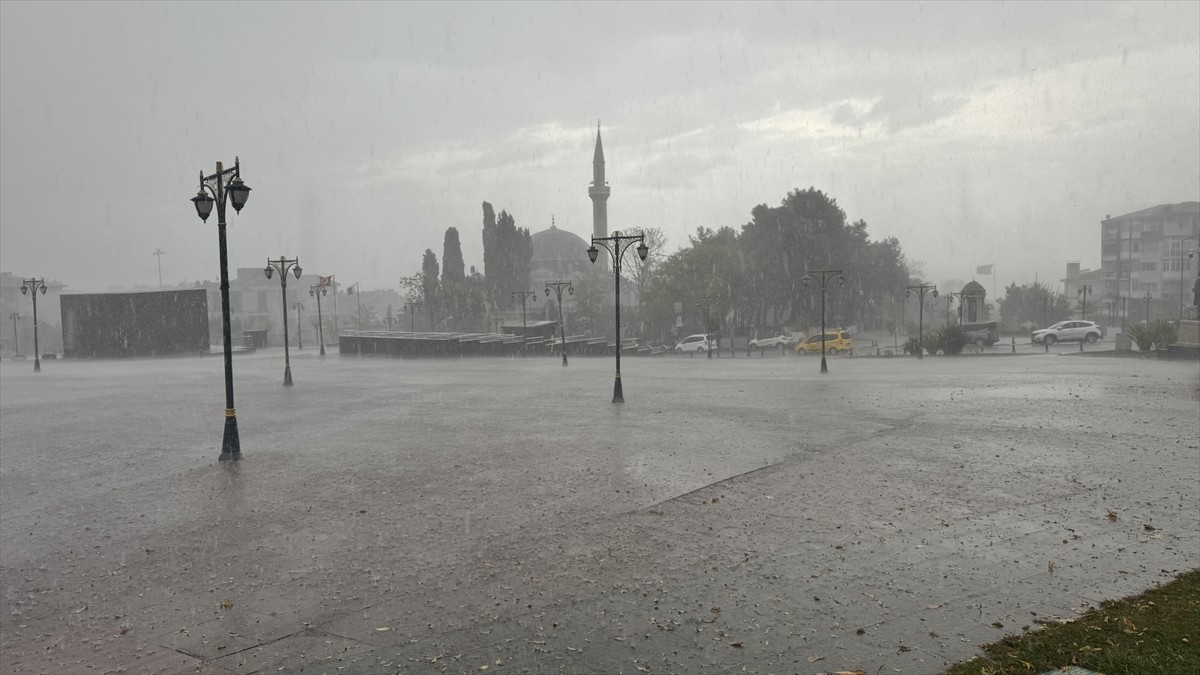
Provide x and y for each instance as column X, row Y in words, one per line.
column 123, row 325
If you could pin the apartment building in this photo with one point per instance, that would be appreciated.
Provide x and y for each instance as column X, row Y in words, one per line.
column 1144, row 263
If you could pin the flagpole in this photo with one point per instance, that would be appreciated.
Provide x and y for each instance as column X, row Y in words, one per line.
column 337, row 328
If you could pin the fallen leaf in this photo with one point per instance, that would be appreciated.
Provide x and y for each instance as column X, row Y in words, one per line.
column 226, row 603
column 933, row 606
column 1149, row 528
column 79, row 610
column 736, row 645
column 850, row 672
column 1112, row 516
column 814, row 659
column 383, row 628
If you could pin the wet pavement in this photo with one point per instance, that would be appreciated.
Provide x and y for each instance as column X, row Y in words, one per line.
column 502, row 516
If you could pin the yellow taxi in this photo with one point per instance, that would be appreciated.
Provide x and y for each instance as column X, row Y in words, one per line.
column 836, row 340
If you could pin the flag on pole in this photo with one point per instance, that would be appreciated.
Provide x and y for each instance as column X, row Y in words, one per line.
column 324, row 281
column 984, row 269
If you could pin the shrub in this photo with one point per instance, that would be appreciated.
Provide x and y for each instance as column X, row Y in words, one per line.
column 911, row 346
column 1154, row 335
column 1140, row 333
column 951, row 339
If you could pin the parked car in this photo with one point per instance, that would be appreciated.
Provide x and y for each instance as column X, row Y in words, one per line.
column 1069, row 331
column 780, row 342
column 982, row 334
column 693, row 343
column 836, row 340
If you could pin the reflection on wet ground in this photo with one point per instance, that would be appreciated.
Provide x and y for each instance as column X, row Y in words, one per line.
column 396, row 516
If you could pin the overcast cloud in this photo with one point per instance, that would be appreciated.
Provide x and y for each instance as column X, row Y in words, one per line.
column 975, row 133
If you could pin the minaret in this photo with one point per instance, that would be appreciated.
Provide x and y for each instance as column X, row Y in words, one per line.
column 599, row 190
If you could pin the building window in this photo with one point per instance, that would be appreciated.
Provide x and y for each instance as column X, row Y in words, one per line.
column 1147, row 267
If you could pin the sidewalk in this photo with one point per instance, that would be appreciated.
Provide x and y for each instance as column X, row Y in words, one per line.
column 744, row 515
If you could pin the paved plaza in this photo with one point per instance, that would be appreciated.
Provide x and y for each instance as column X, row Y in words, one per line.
column 502, row 516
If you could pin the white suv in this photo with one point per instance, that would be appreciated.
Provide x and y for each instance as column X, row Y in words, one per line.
column 1069, row 331
column 692, row 343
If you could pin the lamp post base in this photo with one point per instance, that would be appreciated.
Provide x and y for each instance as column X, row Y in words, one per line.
column 37, row 364
column 287, row 376
column 618, row 395
column 564, row 359
column 231, row 447
column 824, row 367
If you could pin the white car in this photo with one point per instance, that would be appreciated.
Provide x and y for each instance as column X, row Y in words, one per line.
column 693, row 343
column 1069, row 331
column 780, row 342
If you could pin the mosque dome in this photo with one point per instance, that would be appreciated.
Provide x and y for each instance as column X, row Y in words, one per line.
column 556, row 244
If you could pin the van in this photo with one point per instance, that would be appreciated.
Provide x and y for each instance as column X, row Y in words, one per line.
column 981, row 334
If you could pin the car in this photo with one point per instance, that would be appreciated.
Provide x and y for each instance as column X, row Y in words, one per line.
column 780, row 342
column 693, row 343
column 1068, row 331
column 836, row 340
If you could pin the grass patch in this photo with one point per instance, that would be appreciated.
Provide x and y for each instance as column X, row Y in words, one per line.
column 1155, row 632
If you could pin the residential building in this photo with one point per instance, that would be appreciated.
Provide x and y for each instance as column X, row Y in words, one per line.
column 1143, row 260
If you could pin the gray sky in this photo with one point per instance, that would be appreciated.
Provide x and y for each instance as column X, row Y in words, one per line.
column 975, row 133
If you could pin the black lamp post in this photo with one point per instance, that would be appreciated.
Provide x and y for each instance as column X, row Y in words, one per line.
column 1083, row 292
column 411, row 307
column 823, row 277
column 558, row 287
column 616, row 245
column 921, row 289
column 158, row 253
column 284, row 265
column 214, row 189
column 317, row 291
column 1191, row 253
column 704, row 303
column 16, row 340
column 35, row 285
column 524, row 295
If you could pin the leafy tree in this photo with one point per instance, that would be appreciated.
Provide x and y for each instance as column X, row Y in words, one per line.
column 430, row 290
column 642, row 271
column 507, row 251
column 454, row 283
column 1032, row 305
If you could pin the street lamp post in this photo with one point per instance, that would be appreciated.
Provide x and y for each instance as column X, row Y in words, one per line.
column 558, row 287
column 1083, row 292
column 823, row 277
column 524, row 295
column 1190, row 254
column 317, row 291
column 35, row 285
column 704, row 303
column 284, row 265
column 921, row 289
column 158, row 253
column 299, row 307
column 616, row 245
column 16, row 340
column 214, row 189
column 411, row 307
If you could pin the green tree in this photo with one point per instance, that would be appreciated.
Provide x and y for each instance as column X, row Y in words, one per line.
column 507, row 251
column 454, row 282
column 1033, row 305
column 430, row 289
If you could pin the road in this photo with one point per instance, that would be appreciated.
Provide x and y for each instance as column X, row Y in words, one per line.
column 747, row 514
